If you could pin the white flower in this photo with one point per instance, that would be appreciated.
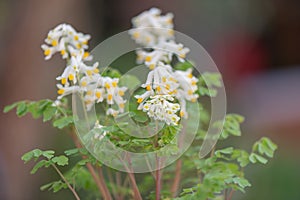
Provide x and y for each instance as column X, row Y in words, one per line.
column 160, row 107
column 66, row 90
column 153, row 30
column 150, row 26
column 65, row 40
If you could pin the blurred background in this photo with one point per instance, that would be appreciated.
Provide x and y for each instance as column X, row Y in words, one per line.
column 255, row 44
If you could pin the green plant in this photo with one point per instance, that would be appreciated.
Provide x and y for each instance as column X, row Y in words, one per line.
column 170, row 91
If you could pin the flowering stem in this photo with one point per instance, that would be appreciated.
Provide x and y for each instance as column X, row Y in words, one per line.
column 158, row 171
column 176, row 181
column 65, row 180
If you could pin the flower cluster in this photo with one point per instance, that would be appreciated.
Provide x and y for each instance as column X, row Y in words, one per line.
column 151, row 29
column 78, row 76
column 65, row 40
column 160, row 107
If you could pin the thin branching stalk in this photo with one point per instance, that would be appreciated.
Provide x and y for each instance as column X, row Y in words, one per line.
column 67, row 182
column 136, row 191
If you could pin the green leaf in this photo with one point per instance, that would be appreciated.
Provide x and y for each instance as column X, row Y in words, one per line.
column 10, row 107
column 228, row 150
column 60, row 160
column 21, row 109
column 63, row 122
column 71, row 152
column 265, row 147
column 257, row 158
column 48, row 154
column 183, row 66
column 49, row 112
column 242, row 182
column 27, row 156
column 39, row 165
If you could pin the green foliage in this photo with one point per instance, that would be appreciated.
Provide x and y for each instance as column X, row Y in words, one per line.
column 44, row 108
column 63, row 122
column 183, row 66
column 208, row 82
column 231, row 125
column 47, row 158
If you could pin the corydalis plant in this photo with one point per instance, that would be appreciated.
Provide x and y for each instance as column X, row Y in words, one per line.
column 169, row 88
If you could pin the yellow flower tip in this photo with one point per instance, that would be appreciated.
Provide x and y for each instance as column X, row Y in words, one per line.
column 114, row 84
column 169, row 21
column 89, row 72
column 171, row 32
column 193, row 100
column 63, row 81
column 151, row 66
column 121, row 105
column 76, row 37
column 194, row 83
column 85, row 42
column 78, row 45
column 182, row 55
column 190, row 92
column 148, row 58
column 47, row 52
column 98, row 94
column 54, row 43
column 174, row 91
column 158, row 89
column 63, row 52
column 148, row 87
column 164, row 79
column 140, row 100
column 190, row 75
column 168, row 87
column 86, row 54
column 107, row 86
column 181, row 113
column 136, row 35
column 109, row 97
column 71, row 77
column 96, row 71
column 89, row 92
column 121, row 93
column 83, row 83
column 88, row 102
column 172, row 79
column 60, row 91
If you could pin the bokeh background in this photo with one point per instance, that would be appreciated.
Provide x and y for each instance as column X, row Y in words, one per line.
column 255, row 43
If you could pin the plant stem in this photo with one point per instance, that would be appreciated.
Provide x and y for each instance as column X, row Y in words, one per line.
column 99, row 181
column 136, row 192
column 158, row 184
column 65, row 180
column 230, row 195
column 176, row 181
